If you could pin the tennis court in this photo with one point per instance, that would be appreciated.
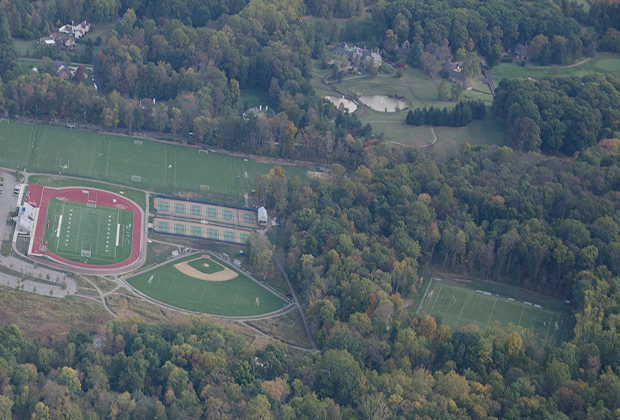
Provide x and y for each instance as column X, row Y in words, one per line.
column 459, row 306
column 88, row 233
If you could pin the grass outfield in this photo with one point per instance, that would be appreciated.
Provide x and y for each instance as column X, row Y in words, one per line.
column 236, row 297
column 210, row 267
column 460, row 306
column 86, row 228
column 162, row 167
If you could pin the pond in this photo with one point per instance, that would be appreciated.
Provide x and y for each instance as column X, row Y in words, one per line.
column 381, row 102
column 336, row 100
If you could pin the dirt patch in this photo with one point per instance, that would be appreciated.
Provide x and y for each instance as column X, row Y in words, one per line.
column 188, row 270
column 324, row 176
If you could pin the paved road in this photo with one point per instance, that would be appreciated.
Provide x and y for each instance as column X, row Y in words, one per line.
column 8, row 202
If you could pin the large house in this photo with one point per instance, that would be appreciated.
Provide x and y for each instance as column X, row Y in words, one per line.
column 78, row 31
column 455, row 75
column 521, row 51
column 358, row 56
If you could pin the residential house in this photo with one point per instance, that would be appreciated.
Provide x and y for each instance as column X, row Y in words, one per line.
column 452, row 65
column 66, row 41
column 521, row 52
column 78, row 31
column 258, row 112
column 458, row 77
column 64, row 72
column 357, row 56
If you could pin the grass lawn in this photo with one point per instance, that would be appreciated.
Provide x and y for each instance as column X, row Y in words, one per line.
column 255, row 98
column 288, row 328
column 25, row 48
column 602, row 63
column 151, row 165
column 157, row 253
column 26, row 65
column 236, row 297
column 99, row 29
column 204, row 265
column 459, row 302
column 74, row 228
column 136, row 196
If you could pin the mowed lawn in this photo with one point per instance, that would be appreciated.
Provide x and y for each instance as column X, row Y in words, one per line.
column 461, row 306
column 602, row 63
column 236, row 297
column 90, row 229
column 161, row 167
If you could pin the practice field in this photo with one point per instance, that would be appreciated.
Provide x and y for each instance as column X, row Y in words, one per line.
column 459, row 307
column 88, row 234
column 240, row 296
column 143, row 164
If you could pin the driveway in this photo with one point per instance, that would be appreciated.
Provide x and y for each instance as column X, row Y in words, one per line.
column 8, row 201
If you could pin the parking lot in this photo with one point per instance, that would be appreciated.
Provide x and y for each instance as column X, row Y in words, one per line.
column 8, row 202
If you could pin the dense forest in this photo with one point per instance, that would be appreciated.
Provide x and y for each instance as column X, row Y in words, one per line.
column 561, row 114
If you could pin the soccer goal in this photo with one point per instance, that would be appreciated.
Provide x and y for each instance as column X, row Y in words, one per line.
column 257, row 301
column 5, row 120
column 200, row 151
column 138, row 142
column 136, row 178
column 93, row 205
column 204, row 188
column 85, row 251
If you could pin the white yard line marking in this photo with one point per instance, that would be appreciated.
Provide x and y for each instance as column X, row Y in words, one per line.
column 493, row 310
column 521, row 316
column 462, row 309
column 436, row 298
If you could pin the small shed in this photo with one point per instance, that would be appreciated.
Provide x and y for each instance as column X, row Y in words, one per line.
column 237, row 263
column 175, row 253
column 262, row 216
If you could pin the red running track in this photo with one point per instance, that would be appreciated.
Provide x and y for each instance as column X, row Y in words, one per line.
column 39, row 196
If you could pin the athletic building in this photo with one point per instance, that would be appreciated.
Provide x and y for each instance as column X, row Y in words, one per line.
column 203, row 219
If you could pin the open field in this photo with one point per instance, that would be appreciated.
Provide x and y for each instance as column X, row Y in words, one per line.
column 24, row 47
column 236, row 297
column 420, row 91
column 146, row 164
column 77, row 232
column 460, row 303
column 602, row 63
column 38, row 316
column 136, row 196
column 288, row 328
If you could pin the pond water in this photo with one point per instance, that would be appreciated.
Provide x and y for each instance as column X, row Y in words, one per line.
column 337, row 100
column 381, row 102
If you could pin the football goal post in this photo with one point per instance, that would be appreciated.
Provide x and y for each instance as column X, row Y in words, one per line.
column 85, row 252
column 204, row 188
column 136, row 178
column 138, row 142
column 257, row 301
column 200, row 151
column 93, row 205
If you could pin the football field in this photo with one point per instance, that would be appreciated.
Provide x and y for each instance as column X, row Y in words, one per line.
column 459, row 306
column 88, row 233
column 240, row 296
column 144, row 164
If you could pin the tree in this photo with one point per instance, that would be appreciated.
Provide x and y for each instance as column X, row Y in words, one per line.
column 525, row 135
column 201, row 127
column 442, row 91
column 471, row 66
column 5, row 408
column 455, row 91
column 391, row 43
column 258, row 408
column 235, row 92
column 175, row 120
column 41, row 412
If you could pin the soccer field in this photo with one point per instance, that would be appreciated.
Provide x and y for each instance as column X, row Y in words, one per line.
column 459, row 307
column 81, row 233
column 144, row 164
column 236, row 297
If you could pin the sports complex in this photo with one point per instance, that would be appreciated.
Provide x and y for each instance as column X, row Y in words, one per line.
column 86, row 228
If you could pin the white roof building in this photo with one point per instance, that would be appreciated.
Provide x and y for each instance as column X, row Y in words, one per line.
column 26, row 217
column 262, row 216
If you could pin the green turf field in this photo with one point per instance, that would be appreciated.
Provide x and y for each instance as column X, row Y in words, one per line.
column 210, row 267
column 144, row 164
column 236, row 297
column 461, row 306
column 85, row 230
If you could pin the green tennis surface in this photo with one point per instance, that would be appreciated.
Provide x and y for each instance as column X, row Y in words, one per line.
column 145, row 164
column 236, row 297
column 88, row 234
column 458, row 307
column 205, row 265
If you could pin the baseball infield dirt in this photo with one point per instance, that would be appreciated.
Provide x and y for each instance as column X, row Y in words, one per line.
column 188, row 270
